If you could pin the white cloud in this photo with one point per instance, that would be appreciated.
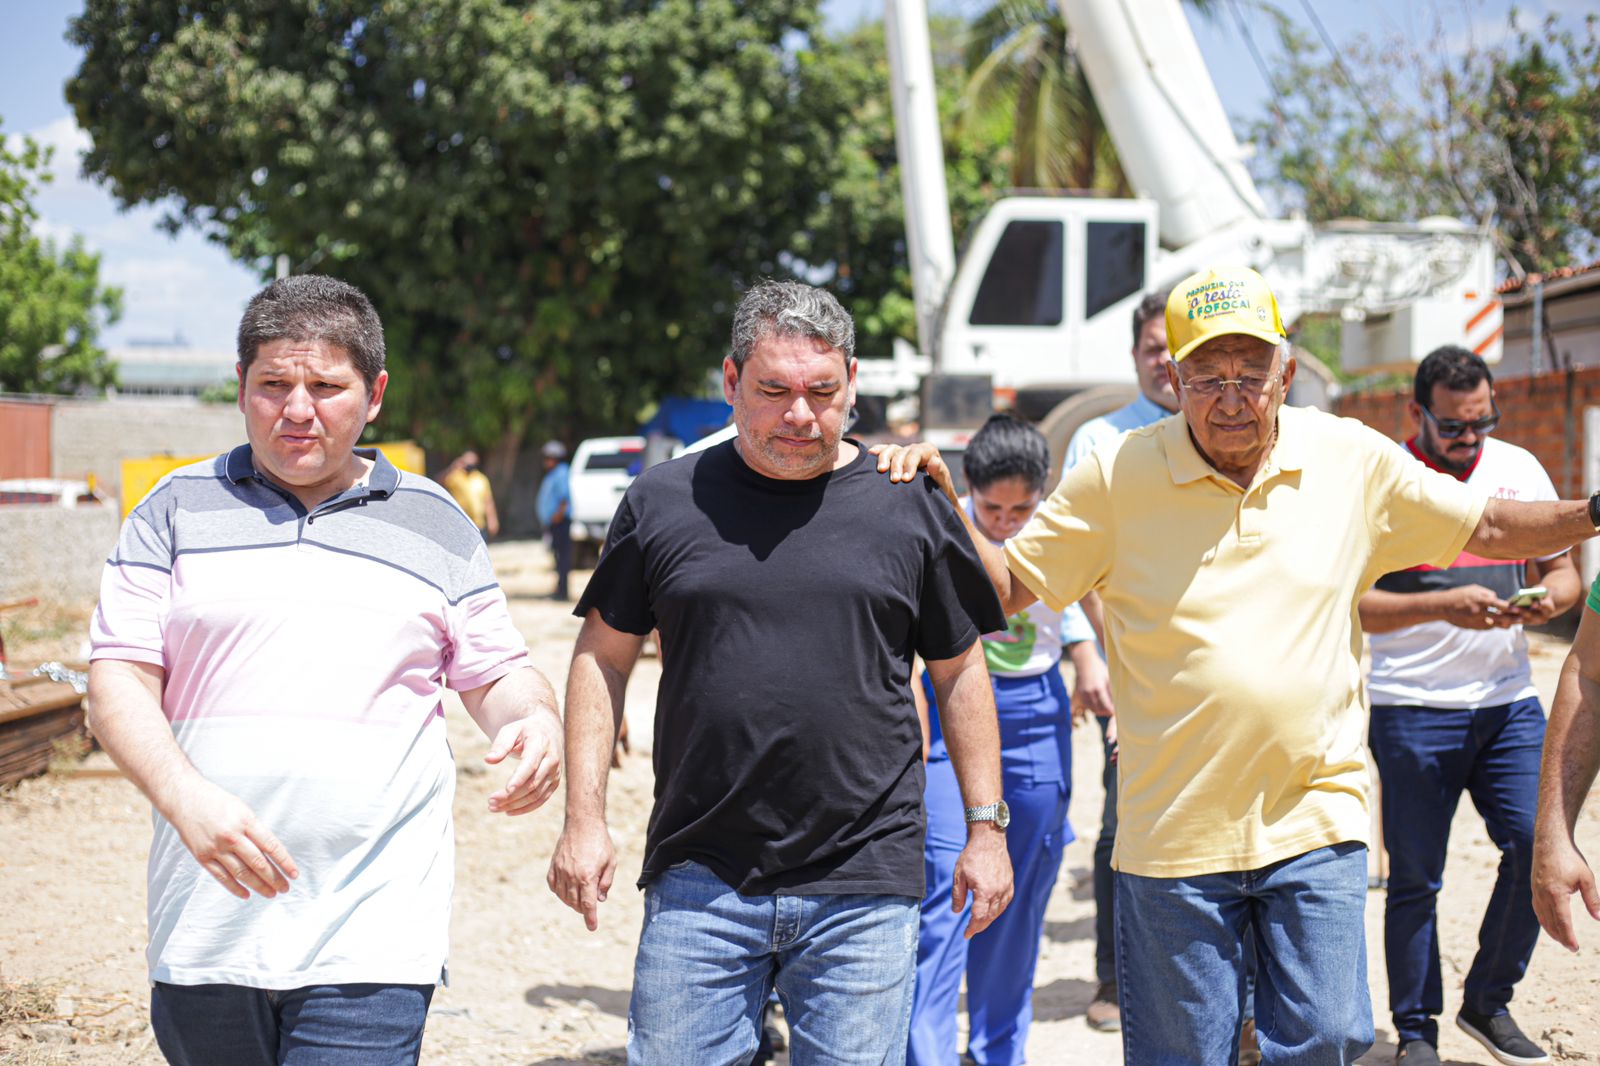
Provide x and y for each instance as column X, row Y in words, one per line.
column 171, row 285
column 68, row 142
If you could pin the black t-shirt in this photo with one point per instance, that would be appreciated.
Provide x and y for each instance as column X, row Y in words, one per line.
column 788, row 757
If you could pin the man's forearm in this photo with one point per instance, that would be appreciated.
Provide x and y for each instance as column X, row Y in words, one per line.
column 994, row 563
column 520, row 693
column 1095, row 612
column 1516, row 529
column 123, row 709
column 594, row 712
column 1559, row 575
column 1571, row 749
column 970, row 727
column 1384, row 612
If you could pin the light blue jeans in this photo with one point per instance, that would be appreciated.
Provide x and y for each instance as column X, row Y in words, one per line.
column 1181, row 965
column 709, row 957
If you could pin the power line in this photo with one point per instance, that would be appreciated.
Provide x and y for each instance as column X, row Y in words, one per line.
column 1344, row 76
column 1261, row 66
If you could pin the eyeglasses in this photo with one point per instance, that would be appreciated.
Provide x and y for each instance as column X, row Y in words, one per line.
column 1451, row 428
column 1250, row 386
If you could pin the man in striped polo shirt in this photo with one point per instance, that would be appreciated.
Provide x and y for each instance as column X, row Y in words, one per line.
column 275, row 629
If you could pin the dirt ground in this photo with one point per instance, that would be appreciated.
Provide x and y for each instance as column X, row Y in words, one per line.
column 529, row 985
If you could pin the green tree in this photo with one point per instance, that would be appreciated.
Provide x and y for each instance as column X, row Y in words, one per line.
column 553, row 205
column 1502, row 136
column 52, row 305
column 1023, row 70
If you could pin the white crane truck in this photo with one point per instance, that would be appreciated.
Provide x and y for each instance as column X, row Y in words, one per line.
column 1036, row 314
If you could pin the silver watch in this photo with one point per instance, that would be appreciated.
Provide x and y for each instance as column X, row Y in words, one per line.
column 997, row 812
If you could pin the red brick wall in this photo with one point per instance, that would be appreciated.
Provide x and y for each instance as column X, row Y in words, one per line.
column 1543, row 414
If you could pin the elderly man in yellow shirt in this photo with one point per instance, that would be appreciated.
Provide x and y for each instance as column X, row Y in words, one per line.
column 1229, row 544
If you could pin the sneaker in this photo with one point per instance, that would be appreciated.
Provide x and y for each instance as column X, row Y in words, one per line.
column 1417, row 1053
column 1500, row 1036
column 1249, row 1047
column 1103, row 1014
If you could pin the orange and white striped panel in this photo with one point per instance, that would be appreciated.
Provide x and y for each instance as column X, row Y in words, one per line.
column 1485, row 325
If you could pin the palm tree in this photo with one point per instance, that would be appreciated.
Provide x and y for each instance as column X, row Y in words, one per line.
column 1023, row 66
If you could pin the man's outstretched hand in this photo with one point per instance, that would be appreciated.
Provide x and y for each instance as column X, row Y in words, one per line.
column 536, row 742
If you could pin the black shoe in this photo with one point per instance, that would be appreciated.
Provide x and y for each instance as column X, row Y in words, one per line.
column 1104, row 1014
column 1417, row 1053
column 1501, row 1038
column 771, row 1041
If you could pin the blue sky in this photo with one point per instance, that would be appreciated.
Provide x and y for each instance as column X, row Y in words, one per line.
column 187, row 287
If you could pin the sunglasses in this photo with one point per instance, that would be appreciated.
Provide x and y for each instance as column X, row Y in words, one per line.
column 1451, row 428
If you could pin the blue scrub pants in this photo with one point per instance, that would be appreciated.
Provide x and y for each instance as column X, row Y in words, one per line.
column 999, row 963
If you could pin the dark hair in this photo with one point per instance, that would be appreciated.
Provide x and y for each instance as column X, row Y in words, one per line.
column 791, row 309
column 1006, row 447
column 1153, row 305
column 1452, row 366
column 310, row 307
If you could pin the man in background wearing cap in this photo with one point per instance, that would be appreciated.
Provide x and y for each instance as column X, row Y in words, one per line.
column 1229, row 548
column 555, row 511
column 1454, row 709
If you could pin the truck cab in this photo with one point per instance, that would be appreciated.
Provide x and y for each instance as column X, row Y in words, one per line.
column 1043, row 295
column 602, row 469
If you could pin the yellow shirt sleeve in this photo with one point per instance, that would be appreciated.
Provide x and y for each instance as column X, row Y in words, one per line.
column 1065, row 549
column 1416, row 515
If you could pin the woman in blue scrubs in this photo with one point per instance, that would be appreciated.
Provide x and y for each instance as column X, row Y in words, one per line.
column 1006, row 465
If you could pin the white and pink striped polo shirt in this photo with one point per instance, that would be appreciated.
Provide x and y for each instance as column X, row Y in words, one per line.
column 305, row 657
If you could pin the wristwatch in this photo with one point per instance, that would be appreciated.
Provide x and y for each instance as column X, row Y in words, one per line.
column 1594, row 510
column 996, row 812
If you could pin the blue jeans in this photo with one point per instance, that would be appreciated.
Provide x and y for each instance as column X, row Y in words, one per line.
column 1426, row 758
column 708, row 958
column 561, row 548
column 1181, row 962
column 320, row 1025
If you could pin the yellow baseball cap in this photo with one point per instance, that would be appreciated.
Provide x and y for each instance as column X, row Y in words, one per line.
column 1214, row 303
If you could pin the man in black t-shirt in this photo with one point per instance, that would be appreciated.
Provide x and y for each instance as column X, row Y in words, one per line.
column 792, row 587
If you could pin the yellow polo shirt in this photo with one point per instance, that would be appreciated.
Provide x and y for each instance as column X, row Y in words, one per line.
column 470, row 489
column 1231, row 626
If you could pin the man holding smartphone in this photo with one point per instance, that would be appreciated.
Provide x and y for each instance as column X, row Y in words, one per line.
column 1454, row 709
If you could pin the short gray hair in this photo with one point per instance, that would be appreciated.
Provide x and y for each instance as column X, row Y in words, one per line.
column 311, row 307
column 791, row 309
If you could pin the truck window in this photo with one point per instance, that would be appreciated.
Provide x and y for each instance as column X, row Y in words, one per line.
column 611, row 460
column 1022, row 285
column 1115, row 264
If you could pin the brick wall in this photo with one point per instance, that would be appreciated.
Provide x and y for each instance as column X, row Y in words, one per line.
column 1543, row 414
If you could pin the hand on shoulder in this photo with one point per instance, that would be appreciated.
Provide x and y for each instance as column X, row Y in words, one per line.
column 902, row 462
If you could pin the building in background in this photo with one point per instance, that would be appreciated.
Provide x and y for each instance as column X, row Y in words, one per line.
column 170, row 368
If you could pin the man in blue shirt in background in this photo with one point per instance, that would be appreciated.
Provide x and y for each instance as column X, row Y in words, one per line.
column 555, row 511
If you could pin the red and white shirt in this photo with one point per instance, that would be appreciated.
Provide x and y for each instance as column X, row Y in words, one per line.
column 1436, row 664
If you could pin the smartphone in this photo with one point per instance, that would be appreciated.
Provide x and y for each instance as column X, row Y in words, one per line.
column 1528, row 597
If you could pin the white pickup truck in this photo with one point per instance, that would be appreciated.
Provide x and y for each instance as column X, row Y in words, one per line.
column 602, row 469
